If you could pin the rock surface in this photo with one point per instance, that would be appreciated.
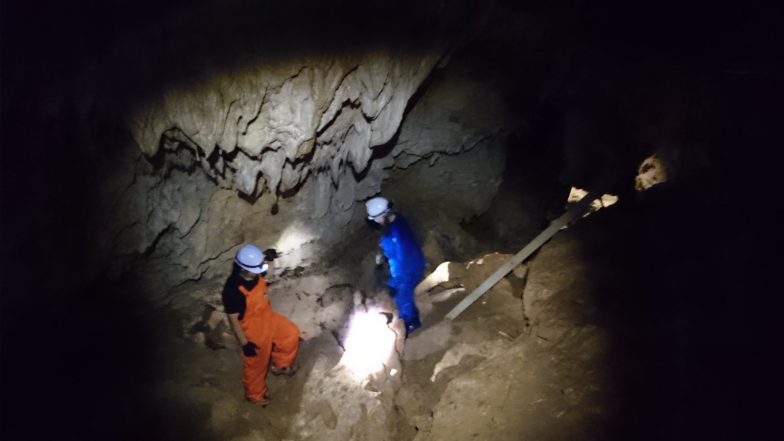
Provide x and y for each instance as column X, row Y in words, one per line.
column 180, row 215
column 545, row 383
column 278, row 124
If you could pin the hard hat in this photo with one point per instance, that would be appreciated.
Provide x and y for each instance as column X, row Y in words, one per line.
column 377, row 207
column 251, row 259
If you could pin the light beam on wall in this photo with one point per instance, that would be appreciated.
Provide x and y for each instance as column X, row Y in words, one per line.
column 293, row 237
column 291, row 245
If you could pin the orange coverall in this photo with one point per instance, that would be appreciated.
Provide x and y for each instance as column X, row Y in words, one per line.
column 276, row 336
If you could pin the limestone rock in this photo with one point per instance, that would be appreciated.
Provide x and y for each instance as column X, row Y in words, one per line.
column 336, row 406
column 312, row 303
column 457, row 352
column 336, row 110
column 523, row 388
column 296, row 140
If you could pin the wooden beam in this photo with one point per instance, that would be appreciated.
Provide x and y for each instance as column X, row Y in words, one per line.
column 555, row 226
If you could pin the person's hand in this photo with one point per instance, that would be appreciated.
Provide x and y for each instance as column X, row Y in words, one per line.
column 271, row 254
column 249, row 349
column 379, row 258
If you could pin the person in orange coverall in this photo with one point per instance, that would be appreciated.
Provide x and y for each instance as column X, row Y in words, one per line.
column 265, row 336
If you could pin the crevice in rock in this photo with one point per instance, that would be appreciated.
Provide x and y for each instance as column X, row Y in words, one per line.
column 154, row 244
column 257, row 113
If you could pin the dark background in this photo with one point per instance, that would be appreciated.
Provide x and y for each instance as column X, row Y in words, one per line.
column 703, row 252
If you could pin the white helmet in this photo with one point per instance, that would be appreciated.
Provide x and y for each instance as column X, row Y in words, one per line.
column 376, row 208
column 251, row 259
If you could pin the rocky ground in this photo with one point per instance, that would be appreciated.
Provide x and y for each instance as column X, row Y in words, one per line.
column 524, row 362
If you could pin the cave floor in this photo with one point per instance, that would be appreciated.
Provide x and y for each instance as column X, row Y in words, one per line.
column 500, row 371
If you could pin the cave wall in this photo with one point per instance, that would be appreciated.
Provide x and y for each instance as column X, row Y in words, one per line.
column 287, row 121
column 187, row 224
column 202, row 127
column 190, row 139
column 183, row 140
column 282, row 153
column 306, row 136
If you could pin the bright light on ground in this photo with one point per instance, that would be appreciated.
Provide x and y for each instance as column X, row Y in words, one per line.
column 369, row 345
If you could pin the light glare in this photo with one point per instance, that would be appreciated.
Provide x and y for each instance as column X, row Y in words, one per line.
column 369, row 344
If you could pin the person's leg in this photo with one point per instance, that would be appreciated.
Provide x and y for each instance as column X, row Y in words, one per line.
column 254, row 370
column 285, row 342
column 404, row 299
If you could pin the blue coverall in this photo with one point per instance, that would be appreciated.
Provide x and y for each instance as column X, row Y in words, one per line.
column 406, row 269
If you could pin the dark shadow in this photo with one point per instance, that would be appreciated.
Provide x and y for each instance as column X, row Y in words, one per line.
column 684, row 285
column 530, row 194
column 81, row 365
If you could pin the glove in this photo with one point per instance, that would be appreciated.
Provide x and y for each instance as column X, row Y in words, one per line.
column 271, row 254
column 249, row 349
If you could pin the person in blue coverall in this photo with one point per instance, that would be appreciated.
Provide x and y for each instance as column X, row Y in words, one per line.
column 406, row 262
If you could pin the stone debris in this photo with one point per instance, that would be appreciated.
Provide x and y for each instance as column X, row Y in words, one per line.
column 456, row 353
column 651, row 172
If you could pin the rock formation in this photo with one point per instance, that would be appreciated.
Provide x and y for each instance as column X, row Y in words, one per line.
column 283, row 157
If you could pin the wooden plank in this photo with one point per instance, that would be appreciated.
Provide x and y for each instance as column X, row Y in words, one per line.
column 555, row 226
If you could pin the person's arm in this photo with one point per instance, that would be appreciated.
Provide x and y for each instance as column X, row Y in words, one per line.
column 248, row 347
column 234, row 319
